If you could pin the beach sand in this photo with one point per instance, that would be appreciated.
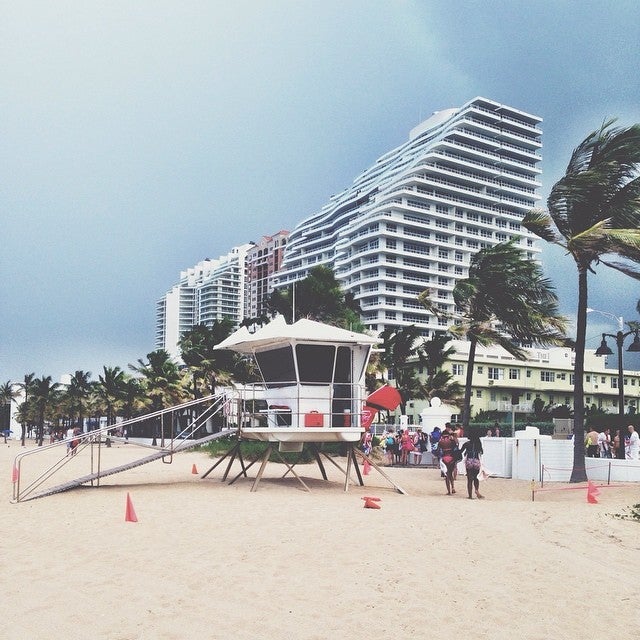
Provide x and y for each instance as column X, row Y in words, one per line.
column 213, row 561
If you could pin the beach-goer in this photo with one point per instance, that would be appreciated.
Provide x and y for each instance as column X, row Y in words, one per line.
column 632, row 450
column 472, row 452
column 591, row 443
column 448, row 442
column 604, row 443
column 365, row 443
column 406, row 445
column 69, row 437
column 420, row 445
column 389, row 446
column 76, row 441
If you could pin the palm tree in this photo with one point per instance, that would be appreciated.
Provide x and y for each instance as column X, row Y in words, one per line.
column 7, row 394
column 161, row 382
column 205, row 363
column 402, row 356
column 109, row 390
column 439, row 382
column 24, row 407
column 503, row 288
column 78, row 394
column 318, row 297
column 593, row 212
column 44, row 394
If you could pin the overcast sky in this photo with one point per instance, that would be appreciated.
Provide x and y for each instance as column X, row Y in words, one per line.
column 138, row 138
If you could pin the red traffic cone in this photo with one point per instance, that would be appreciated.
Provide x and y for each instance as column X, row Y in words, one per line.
column 194, row 469
column 371, row 504
column 15, row 474
column 592, row 493
column 366, row 468
column 130, row 513
column 373, row 498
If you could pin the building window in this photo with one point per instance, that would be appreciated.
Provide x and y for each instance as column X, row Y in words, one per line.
column 528, row 373
column 495, row 373
column 480, row 370
column 614, row 383
column 572, row 379
column 478, row 393
column 587, row 378
column 547, row 376
column 514, row 374
column 457, row 369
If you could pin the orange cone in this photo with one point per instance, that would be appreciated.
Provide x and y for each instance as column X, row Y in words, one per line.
column 366, row 468
column 130, row 513
column 592, row 493
column 194, row 469
column 15, row 474
column 373, row 498
column 371, row 504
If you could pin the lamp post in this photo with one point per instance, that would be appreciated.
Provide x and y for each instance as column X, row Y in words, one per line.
column 604, row 350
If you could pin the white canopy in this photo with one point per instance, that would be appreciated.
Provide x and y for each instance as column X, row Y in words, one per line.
column 278, row 332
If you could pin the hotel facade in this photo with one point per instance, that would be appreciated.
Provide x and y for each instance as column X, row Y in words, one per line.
column 545, row 374
column 463, row 181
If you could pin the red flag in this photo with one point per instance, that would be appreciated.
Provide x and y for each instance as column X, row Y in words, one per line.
column 385, row 397
column 592, row 492
column 367, row 415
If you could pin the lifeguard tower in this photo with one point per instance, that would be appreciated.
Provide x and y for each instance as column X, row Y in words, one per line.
column 312, row 390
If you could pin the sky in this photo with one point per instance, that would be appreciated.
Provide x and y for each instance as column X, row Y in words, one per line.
column 139, row 138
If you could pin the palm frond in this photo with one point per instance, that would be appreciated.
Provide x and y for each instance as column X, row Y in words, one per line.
column 541, row 223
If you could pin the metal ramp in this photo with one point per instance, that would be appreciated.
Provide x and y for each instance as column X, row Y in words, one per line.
column 97, row 441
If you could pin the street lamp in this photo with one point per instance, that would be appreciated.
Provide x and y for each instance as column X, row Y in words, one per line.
column 604, row 350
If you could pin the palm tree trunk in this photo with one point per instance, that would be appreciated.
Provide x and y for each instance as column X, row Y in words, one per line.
column 466, row 409
column 578, row 473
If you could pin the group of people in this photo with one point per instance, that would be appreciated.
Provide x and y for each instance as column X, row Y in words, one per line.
column 602, row 445
column 444, row 447
column 398, row 446
column 450, row 453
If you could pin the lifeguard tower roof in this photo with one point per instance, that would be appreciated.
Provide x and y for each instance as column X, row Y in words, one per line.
column 304, row 330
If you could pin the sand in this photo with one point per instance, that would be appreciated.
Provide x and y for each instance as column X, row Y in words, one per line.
column 208, row 560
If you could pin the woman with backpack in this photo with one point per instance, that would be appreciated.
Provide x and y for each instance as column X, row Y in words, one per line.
column 389, row 446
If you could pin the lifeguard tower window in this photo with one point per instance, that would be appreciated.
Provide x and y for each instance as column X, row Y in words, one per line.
column 315, row 362
column 343, row 365
column 277, row 367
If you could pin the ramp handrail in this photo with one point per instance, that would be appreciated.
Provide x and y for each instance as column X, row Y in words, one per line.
column 95, row 437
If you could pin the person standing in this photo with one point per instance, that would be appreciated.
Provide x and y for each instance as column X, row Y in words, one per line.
column 633, row 448
column 591, row 443
column 604, row 443
column 406, row 445
column 69, row 437
column 389, row 446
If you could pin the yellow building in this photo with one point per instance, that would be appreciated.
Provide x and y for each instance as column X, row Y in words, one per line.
column 547, row 374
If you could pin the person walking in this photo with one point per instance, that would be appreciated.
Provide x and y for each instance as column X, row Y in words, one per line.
column 472, row 452
column 448, row 442
column 632, row 449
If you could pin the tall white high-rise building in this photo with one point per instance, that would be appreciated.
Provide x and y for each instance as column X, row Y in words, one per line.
column 463, row 181
column 209, row 291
